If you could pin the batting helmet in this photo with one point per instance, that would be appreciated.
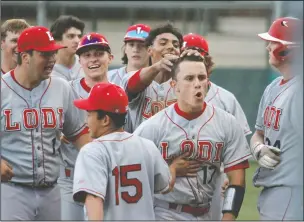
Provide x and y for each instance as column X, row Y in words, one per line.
column 196, row 41
column 283, row 31
column 93, row 39
column 137, row 32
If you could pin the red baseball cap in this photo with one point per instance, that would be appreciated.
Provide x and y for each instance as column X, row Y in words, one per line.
column 283, row 31
column 137, row 32
column 192, row 40
column 37, row 38
column 105, row 96
column 93, row 38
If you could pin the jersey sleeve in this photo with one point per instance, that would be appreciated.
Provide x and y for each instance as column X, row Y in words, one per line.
column 133, row 98
column 236, row 147
column 91, row 173
column 74, row 118
column 161, row 171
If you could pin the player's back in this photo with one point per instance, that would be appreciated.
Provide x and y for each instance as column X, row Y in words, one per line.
column 131, row 167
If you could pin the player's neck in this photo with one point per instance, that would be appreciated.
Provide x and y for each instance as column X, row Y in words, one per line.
column 7, row 64
column 65, row 59
column 92, row 82
column 110, row 130
column 285, row 71
column 186, row 108
column 162, row 77
column 25, row 79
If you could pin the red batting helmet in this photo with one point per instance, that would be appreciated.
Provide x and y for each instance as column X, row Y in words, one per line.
column 137, row 32
column 106, row 97
column 283, row 31
column 91, row 39
column 192, row 40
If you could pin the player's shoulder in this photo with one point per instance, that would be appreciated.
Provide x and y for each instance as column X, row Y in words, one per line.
column 224, row 92
column 220, row 113
column 75, row 82
column 59, row 81
column 273, row 83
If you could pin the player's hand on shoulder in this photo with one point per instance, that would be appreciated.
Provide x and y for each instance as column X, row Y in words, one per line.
column 166, row 63
column 185, row 167
column 267, row 156
column 6, row 171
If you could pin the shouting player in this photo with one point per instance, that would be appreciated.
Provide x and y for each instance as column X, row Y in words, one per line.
column 35, row 110
column 117, row 174
column 209, row 134
column 94, row 56
column 135, row 55
column 276, row 144
column 220, row 98
column 10, row 32
column 67, row 30
column 149, row 89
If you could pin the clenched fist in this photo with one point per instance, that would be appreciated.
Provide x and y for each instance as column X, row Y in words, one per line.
column 6, row 171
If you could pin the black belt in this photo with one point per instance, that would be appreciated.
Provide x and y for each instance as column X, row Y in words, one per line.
column 36, row 186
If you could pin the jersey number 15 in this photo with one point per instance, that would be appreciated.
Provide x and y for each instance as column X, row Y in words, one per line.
column 122, row 180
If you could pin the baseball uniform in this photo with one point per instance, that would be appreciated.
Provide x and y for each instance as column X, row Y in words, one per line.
column 213, row 137
column 280, row 118
column 115, row 76
column 31, row 124
column 149, row 101
column 222, row 98
column 68, row 73
column 125, row 171
column 71, row 210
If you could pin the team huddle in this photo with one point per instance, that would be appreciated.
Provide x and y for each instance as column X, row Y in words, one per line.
column 152, row 140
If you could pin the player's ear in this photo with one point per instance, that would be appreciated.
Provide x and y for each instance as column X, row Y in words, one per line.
column 150, row 50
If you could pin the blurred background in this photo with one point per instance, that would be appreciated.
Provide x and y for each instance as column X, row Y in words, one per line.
column 231, row 28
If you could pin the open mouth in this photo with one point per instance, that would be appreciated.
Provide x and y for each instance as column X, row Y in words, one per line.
column 199, row 95
column 49, row 68
column 94, row 67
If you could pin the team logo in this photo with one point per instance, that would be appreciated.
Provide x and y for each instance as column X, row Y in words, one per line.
column 184, row 44
column 138, row 30
column 89, row 37
column 284, row 23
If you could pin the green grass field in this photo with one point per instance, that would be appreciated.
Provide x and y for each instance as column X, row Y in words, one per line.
column 249, row 208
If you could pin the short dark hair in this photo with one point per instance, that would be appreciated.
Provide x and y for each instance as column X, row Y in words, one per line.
column 19, row 59
column 63, row 23
column 118, row 120
column 124, row 58
column 167, row 28
column 176, row 65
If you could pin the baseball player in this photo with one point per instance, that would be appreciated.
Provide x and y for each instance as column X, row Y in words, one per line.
column 94, row 56
column 10, row 32
column 149, row 89
column 210, row 135
column 276, row 142
column 220, row 98
column 67, row 30
column 117, row 174
column 135, row 55
column 35, row 110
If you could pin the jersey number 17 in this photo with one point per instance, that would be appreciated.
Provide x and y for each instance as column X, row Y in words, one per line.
column 122, row 180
